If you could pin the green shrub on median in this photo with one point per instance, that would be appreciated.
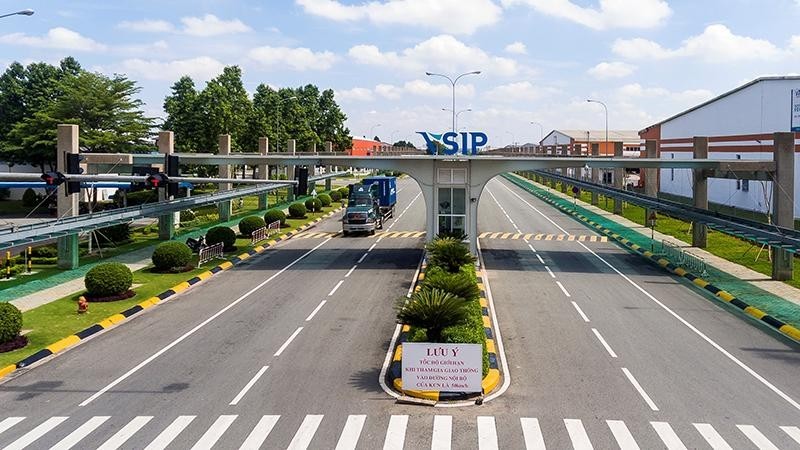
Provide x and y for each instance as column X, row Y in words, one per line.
column 275, row 215
column 313, row 205
column 224, row 235
column 325, row 199
column 171, row 256
column 461, row 284
column 449, row 254
column 434, row 310
column 250, row 224
column 108, row 280
column 297, row 211
column 336, row 196
column 10, row 322
column 344, row 191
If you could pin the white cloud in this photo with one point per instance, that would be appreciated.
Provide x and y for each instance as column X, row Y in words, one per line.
column 453, row 16
column 608, row 70
column 389, row 91
column 355, row 94
column 609, row 14
column 211, row 25
column 688, row 98
column 427, row 89
column 201, row 68
column 443, row 52
column 56, row 38
column 520, row 91
column 716, row 44
column 294, row 58
column 147, row 26
column 517, row 48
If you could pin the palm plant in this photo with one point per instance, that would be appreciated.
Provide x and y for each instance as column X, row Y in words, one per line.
column 449, row 254
column 460, row 284
column 434, row 310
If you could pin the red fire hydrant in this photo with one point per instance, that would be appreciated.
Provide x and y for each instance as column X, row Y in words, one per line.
column 83, row 305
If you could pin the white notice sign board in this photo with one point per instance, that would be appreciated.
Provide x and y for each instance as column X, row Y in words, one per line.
column 442, row 367
column 796, row 110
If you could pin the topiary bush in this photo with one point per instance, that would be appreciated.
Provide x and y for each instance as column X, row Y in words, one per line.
column 313, row 205
column 115, row 234
column 30, row 198
column 275, row 215
column 250, row 224
column 222, row 234
column 171, row 256
column 325, row 199
column 344, row 191
column 108, row 280
column 297, row 211
column 336, row 196
column 10, row 322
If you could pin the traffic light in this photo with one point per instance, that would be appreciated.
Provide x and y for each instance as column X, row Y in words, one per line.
column 156, row 180
column 73, row 168
column 53, row 179
column 301, row 175
column 173, row 169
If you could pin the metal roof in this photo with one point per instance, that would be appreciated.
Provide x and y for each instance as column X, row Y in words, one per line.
column 627, row 136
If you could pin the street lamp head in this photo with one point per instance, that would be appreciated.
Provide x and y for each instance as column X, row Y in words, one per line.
column 428, row 73
column 26, row 12
column 475, row 72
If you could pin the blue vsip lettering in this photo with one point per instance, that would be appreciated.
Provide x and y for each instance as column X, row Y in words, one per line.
column 466, row 143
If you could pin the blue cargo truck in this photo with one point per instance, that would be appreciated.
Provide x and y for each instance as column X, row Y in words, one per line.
column 369, row 204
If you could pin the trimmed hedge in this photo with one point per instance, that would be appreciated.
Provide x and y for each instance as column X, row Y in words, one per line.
column 171, row 255
column 313, row 205
column 325, row 199
column 108, row 279
column 335, row 196
column 10, row 322
column 46, row 251
column 222, row 234
column 250, row 224
column 344, row 191
column 297, row 211
column 275, row 215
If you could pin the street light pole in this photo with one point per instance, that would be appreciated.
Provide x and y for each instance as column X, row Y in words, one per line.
column 278, row 122
column 458, row 114
column 541, row 131
column 372, row 128
column 453, row 82
column 24, row 12
column 606, row 109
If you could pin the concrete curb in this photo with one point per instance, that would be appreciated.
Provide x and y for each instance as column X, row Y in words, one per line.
column 116, row 319
column 786, row 329
column 490, row 381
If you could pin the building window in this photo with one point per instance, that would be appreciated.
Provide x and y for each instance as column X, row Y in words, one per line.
column 738, row 181
column 745, row 185
column 672, row 170
column 452, row 210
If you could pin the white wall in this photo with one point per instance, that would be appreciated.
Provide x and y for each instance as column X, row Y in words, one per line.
column 556, row 138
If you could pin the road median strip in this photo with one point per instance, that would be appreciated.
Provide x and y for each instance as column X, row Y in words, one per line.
column 72, row 340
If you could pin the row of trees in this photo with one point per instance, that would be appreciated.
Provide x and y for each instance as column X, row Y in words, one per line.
column 34, row 99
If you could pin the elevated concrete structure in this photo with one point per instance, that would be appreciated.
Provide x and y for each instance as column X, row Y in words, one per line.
column 67, row 206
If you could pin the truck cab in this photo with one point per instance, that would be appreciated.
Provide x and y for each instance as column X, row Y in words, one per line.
column 370, row 204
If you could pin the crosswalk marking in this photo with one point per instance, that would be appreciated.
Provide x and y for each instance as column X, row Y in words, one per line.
column 396, row 433
column 712, row 437
column 214, row 432
column 170, row 433
column 622, row 435
column 81, row 432
column 351, row 432
column 29, row 437
column 442, row 432
column 306, row 432
column 116, row 441
column 532, row 433
column 9, row 422
column 487, row 433
column 756, row 437
column 577, row 434
column 793, row 432
column 541, row 237
column 667, row 434
column 259, row 433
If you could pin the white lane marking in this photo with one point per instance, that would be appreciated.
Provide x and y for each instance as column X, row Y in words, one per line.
column 363, row 257
column 81, row 432
column 757, row 437
column 316, row 310
column 487, row 433
column 577, row 434
column 605, row 344
column 404, row 212
column 694, row 329
column 306, row 432
column 170, row 433
column 563, row 289
column 712, row 437
column 335, row 288
column 668, row 436
column 396, row 433
column 350, row 272
column 532, row 433
column 351, row 432
column 442, row 432
column 639, row 388
column 288, row 341
column 580, row 311
column 552, row 275
column 535, row 209
column 214, row 432
column 121, row 437
column 260, row 432
column 540, row 258
column 9, row 422
column 622, row 435
column 793, row 432
column 247, row 386
column 503, row 210
column 372, row 247
column 29, row 437
column 197, row 327
column 533, row 250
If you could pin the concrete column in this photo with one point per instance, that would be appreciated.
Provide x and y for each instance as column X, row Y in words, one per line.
column 700, row 192
column 328, row 169
column 619, row 178
column 783, row 199
column 166, row 222
column 67, row 142
column 263, row 171
column 225, row 210
column 292, row 146
column 650, row 175
column 595, row 174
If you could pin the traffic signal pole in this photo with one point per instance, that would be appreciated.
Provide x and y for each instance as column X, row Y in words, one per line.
column 67, row 205
column 225, row 172
column 166, row 222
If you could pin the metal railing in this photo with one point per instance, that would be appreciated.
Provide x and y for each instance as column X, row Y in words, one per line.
column 265, row 232
column 206, row 254
column 681, row 258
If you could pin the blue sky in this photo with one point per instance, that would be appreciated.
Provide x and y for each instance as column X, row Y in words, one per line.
column 540, row 59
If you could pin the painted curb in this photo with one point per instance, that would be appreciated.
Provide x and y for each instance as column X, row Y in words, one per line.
column 109, row 322
column 490, row 381
column 784, row 328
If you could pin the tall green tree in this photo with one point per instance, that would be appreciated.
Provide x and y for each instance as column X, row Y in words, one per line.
column 183, row 115
column 224, row 108
column 330, row 125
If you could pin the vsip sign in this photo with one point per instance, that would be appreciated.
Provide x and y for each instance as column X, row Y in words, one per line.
column 466, row 143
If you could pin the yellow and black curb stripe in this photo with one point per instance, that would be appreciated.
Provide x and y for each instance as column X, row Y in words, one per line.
column 784, row 328
column 490, row 381
column 111, row 321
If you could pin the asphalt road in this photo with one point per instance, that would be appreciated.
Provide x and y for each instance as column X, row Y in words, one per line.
column 286, row 350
